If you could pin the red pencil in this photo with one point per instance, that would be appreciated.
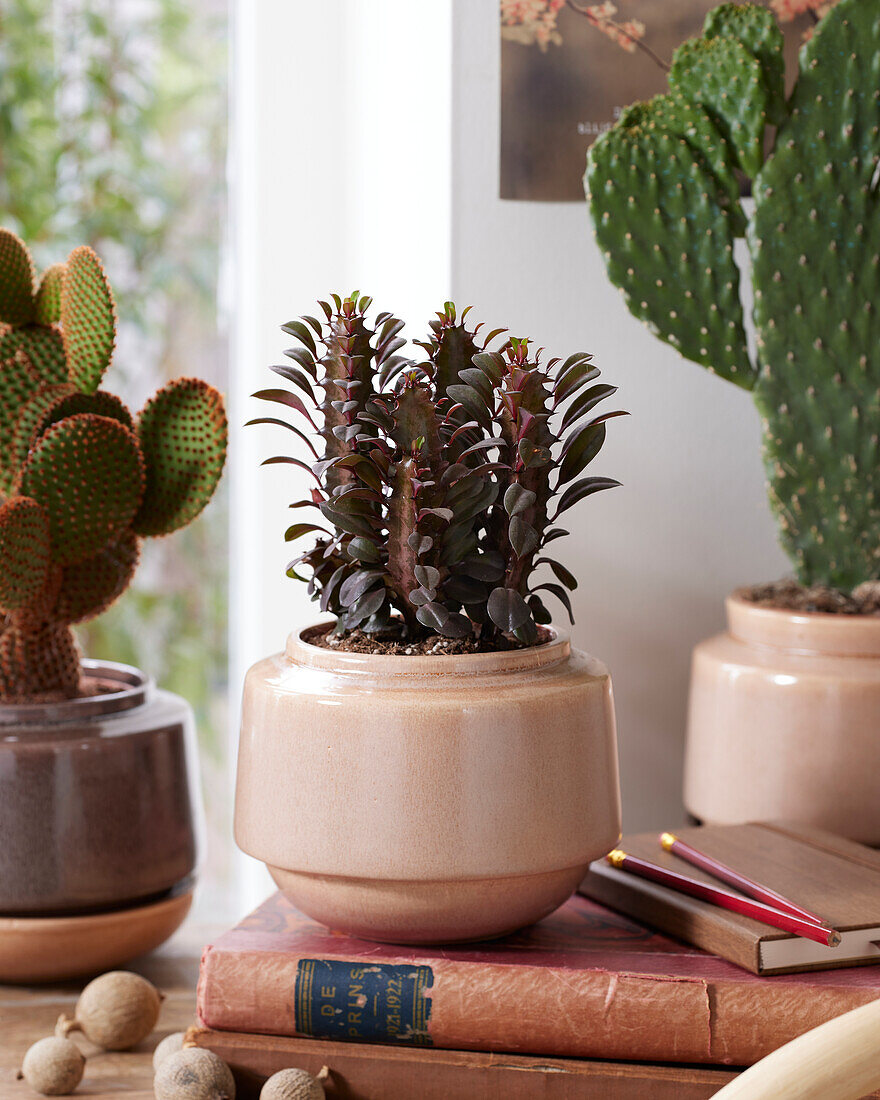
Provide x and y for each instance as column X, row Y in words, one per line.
column 721, row 871
column 723, row 898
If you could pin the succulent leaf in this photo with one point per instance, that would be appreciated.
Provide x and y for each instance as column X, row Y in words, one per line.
column 182, row 433
column 508, row 610
column 88, row 319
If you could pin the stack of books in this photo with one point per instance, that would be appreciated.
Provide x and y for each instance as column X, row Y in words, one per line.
column 589, row 1002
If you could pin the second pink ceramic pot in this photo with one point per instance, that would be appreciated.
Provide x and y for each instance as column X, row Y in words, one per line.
column 784, row 721
column 427, row 798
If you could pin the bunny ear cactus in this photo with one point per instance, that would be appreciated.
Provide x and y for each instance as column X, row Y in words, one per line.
column 81, row 480
column 439, row 478
column 665, row 218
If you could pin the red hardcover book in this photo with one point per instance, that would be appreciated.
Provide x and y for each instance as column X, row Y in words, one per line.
column 584, row 983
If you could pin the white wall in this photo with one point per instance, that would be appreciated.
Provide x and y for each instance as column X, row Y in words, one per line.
column 656, row 557
column 365, row 153
column 340, row 177
column 340, row 170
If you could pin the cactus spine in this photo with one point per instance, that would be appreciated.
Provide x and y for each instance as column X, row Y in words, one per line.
column 666, row 220
column 81, row 480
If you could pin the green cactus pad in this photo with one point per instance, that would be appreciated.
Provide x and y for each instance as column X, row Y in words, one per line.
column 16, row 280
column 759, row 32
column 38, row 660
column 676, row 115
column 728, row 80
column 43, row 347
column 664, row 229
column 24, row 552
column 48, row 303
column 30, row 419
column 18, row 383
column 815, row 244
column 88, row 473
column 89, row 587
column 182, row 433
column 88, row 319
column 100, row 403
column 53, row 403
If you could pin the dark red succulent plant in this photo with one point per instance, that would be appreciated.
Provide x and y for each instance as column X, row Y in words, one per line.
column 438, row 480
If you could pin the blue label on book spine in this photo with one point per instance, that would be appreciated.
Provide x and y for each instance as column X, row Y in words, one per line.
column 343, row 1000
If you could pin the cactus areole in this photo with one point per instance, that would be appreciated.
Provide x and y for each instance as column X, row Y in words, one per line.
column 82, row 481
column 664, row 196
column 437, row 482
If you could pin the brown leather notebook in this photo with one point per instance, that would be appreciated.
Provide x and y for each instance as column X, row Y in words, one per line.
column 837, row 879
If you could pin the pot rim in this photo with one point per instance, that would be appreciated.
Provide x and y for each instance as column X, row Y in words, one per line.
column 135, row 688
column 302, row 652
column 821, row 633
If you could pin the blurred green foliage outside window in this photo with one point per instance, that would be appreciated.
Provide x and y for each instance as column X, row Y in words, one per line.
column 113, row 124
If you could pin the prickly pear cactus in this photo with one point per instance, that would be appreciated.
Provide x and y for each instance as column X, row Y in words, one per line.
column 81, row 480
column 666, row 223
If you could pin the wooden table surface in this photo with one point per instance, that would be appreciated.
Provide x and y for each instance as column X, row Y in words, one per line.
column 29, row 1013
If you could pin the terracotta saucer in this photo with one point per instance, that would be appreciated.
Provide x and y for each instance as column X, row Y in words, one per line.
column 52, row 949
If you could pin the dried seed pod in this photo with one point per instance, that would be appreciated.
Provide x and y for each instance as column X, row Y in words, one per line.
column 294, row 1084
column 193, row 1074
column 171, row 1044
column 53, row 1066
column 115, row 1011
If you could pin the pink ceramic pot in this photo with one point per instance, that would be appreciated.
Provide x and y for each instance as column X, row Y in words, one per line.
column 785, row 721
column 427, row 799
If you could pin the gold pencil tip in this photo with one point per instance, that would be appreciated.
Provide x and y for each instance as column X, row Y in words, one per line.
column 834, row 939
column 616, row 857
column 667, row 840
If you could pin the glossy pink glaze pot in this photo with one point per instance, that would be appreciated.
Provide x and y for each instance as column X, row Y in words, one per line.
column 427, row 799
column 784, row 721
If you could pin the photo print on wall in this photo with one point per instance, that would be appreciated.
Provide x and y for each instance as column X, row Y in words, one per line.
column 568, row 69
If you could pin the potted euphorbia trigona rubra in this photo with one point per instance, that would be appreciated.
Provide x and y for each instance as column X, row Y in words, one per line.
column 98, row 790
column 436, row 763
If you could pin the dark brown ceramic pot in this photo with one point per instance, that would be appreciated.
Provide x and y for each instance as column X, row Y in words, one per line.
column 99, row 800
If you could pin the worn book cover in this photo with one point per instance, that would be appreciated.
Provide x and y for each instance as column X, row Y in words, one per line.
column 834, row 878
column 367, row 1070
column 585, row 983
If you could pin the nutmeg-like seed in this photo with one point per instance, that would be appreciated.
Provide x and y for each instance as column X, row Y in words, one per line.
column 53, row 1066
column 193, row 1074
column 171, row 1044
column 115, row 1011
column 294, row 1084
